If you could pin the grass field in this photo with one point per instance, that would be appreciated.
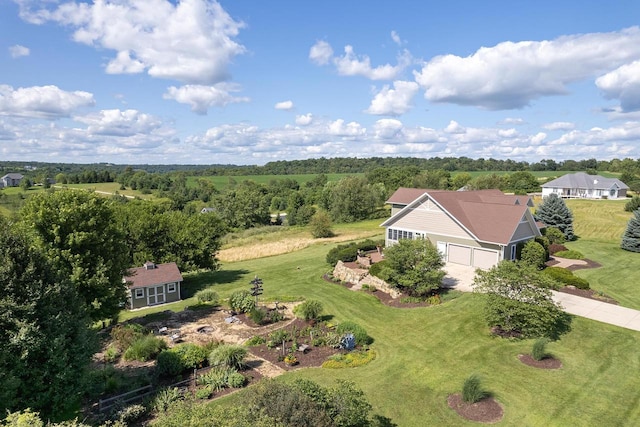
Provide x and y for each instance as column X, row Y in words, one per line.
column 424, row 354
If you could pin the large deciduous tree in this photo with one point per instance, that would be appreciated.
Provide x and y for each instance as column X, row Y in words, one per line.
column 520, row 302
column 46, row 342
column 631, row 236
column 414, row 266
column 352, row 199
column 553, row 212
column 77, row 231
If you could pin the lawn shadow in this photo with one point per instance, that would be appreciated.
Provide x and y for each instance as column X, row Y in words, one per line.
column 202, row 280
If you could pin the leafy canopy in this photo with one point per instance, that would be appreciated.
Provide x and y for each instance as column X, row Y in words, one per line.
column 519, row 301
column 414, row 266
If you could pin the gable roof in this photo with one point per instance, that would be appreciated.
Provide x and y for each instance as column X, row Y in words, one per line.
column 153, row 274
column 488, row 215
column 586, row 181
column 13, row 175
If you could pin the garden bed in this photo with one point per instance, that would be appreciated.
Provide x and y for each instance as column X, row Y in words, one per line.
column 587, row 293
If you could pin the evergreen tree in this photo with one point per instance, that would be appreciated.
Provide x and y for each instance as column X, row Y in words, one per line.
column 631, row 236
column 553, row 212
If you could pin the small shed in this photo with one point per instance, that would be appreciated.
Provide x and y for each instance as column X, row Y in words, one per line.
column 153, row 284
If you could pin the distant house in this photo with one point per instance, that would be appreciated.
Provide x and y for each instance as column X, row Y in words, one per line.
column 11, row 180
column 207, row 210
column 584, row 186
column 153, row 284
column 475, row 228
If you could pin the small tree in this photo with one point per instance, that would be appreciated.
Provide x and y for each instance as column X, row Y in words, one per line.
column 533, row 254
column 553, row 212
column 321, row 225
column 631, row 236
column 633, row 204
column 415, row 266
column 519, row 301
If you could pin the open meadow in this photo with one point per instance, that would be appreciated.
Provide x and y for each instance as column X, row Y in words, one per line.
column 425, row 354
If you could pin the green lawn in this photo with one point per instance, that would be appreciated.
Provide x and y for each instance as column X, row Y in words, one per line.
column 424, row 354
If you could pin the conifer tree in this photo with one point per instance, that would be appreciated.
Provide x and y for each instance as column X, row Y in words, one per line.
column 553, row 212
column 631, row 236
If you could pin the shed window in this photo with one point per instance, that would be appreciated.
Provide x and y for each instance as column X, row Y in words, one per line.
column 171, row 287
column 139, row 293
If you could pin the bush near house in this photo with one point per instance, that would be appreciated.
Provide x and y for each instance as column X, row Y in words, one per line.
column 566, row 277
column 570, row 254
column 349, row 252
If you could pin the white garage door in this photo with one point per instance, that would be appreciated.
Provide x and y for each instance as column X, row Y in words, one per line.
column 459, row 254
column 484, row 258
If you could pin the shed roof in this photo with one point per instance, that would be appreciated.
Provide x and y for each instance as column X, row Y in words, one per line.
column 147, row 275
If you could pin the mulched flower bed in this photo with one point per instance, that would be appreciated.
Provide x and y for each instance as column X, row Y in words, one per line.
column 485, row 411
column 587, row 293
column 546, row 363
column 312, row 357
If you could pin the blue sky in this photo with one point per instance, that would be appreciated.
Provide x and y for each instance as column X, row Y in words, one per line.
column 248, row 82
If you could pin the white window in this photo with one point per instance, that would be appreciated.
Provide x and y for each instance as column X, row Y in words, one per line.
column 139, row 293
column 171, row 287
column 513, row 251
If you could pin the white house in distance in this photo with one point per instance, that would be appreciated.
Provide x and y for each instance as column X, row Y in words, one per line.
column 11, row 180
column 475, row 228
column 584, row 186
column 153, row 284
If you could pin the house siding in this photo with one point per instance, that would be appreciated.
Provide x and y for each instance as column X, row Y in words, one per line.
column 428, row 216
column 523, row 231
column 142, row 302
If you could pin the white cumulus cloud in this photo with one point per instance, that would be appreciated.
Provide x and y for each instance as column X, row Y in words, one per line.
column 321, row 53
column 394, row 102
column 340, row 128
column 201, row 98
column 17, row 51
column 559, row 126
column 120, row 123
column 44, row 102
column 304, row 119
column 455, row 127
column 511, row 75
column 191, row 41
column 623, row 83
column 284, row 105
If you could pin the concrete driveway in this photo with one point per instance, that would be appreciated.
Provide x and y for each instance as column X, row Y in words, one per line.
column 459, row 277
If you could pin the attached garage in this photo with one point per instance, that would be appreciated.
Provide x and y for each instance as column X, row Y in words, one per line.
column 484, row 258
column 476, row 257
column 459, row 254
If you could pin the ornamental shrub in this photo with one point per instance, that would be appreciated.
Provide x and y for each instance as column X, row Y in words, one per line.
column 538, row 352
column 566, row 277
column 191, row 355
column 228, row 355
column 472, row 391
column 124, row 335
column 379, row 270
column 633, row 204
column 359, row 333
column 258, row 315
column 554, row 235
column 207, row 296
column 570, row 254
column 533, row 254
column 145, row 348
column 169, row 364
column 309, row 310
column 242, row 301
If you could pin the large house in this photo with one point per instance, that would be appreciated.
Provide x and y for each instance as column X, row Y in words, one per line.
column 584, row 186
column 11, row 180
column 153, row 284
column 475, row 228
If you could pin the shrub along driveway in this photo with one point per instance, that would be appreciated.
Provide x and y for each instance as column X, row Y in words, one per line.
column 461, row 277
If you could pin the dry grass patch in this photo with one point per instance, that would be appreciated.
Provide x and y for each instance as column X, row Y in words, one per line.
column 284, row 244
